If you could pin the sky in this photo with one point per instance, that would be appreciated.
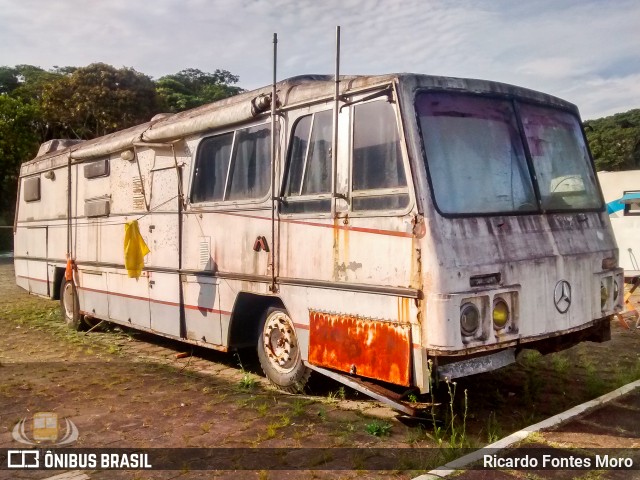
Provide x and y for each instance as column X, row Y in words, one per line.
column 585, row 51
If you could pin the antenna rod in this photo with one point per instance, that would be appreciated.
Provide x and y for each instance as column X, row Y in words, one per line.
column 334, row 149
column 273, row 163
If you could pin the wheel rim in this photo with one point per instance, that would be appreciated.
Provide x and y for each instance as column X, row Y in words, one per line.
column 280, row 342
column 69, row 300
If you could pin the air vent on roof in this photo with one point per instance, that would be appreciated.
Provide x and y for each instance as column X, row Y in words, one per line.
column 55, row 145
column 161, row 116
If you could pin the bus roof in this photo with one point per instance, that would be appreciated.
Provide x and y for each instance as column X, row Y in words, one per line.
column 243, row 107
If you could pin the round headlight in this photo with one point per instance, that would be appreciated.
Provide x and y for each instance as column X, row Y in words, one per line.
column 604, row 295
column 500, row 314
column 616, row 290
column 469, row 319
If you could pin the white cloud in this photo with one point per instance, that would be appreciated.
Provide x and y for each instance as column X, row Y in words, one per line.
column 572, row 49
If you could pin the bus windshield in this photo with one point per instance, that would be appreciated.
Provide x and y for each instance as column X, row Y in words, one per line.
column 560, row 159
column 476, row 156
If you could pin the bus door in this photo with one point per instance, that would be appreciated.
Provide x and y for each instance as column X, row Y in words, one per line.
column 161, row 229
column 226, row 227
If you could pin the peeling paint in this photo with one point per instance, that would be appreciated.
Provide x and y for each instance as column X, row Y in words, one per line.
column 370, row 348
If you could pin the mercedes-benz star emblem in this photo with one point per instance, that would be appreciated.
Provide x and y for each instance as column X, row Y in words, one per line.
column 562, row 296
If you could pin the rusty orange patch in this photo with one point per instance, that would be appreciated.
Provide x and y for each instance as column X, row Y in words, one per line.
column 370, row 348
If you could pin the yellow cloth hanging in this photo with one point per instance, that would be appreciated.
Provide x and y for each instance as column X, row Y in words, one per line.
column 134, row 249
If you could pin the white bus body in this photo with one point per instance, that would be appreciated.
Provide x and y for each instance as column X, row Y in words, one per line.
column 462, row 221
column 621, row 192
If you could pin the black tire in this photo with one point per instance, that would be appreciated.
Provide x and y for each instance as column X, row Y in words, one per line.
column 279, row 351
column 69, row 305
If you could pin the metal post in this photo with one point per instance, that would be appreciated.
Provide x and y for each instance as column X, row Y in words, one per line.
column 334, row 148
column 273, row 164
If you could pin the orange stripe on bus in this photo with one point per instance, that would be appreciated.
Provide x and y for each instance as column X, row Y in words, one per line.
column 375, row 231
column 31, row 278
column 162, row 302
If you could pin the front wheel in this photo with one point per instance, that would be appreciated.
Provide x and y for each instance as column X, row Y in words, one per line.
column 279, row 352
column 69, row 304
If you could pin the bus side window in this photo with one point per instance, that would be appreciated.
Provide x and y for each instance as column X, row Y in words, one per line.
column 250, row 169
column 212, row 164
column 307, row 185
column 378, row 177
column 233, row 166
column 31, row 189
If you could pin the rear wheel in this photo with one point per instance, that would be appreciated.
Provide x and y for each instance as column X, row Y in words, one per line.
column 69, row 304
column 279, row 352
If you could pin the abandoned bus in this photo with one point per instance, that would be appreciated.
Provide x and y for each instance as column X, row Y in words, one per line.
column 452, row 223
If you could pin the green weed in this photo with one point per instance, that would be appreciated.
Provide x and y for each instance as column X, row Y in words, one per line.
column 494, row 431
column 337, row 395
column 560, row 364
column 379, row 429
column 594, row 382
column 298, row 406
column 247, row 382
column 452, row 434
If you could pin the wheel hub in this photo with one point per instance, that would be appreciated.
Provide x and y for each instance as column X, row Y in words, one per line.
column 280, row 342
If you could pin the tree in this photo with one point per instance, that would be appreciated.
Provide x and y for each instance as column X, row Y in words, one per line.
column 191, row 88
column 98, row 99
column 8, row 80
column 615, row 140
column 18, row 142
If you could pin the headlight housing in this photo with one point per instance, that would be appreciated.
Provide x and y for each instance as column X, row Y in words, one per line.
column 469, row 319
column 500, row 314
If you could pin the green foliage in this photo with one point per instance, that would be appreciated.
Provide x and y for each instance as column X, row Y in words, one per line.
column 98, row 99
column 615, row 141
column 247, row 382
column 191, row 88
column 379, row 429
column 18, row 141
column 452, row 434
column 8, row 80
column 340, row 394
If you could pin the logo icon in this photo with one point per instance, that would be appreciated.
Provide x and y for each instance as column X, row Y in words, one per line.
column 23, row 459
column 46, row 428
column 562, row 296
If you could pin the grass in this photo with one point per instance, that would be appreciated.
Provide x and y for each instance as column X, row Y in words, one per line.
column 262, row 409
column 272, row 428
column 44, row 315
column 299, row 406
column 339, row 394
column 379, row 428
column 247, row 382
column 560, row 364
column 494, row 431
column 595, row 383
column 453, row 433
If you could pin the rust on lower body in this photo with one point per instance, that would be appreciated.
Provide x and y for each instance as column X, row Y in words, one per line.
column 370, row 348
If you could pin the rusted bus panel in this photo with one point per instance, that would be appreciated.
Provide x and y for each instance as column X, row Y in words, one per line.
column 371, row 348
